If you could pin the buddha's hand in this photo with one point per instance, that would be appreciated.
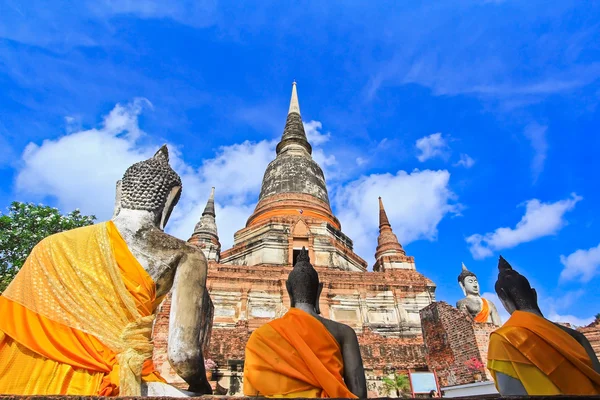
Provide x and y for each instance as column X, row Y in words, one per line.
column 200, row 385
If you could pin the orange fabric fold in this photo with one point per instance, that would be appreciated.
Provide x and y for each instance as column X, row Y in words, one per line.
column 294, row 355
column 529, row 340
column 41, row 356
column 484, row 313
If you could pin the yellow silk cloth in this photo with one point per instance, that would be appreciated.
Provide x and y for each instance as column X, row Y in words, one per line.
column 294, row 356
column 77, row 318
column 546, row 359
column 484, row 313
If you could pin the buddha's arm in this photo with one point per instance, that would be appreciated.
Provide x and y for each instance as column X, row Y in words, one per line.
column 494, row 314
column 185, row 322
column 354, row 373
column 509, row 386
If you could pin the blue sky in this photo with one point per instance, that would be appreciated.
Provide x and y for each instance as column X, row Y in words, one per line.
column 476, row 121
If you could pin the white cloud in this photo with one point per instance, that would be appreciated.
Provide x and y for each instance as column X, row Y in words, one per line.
column 581, row 264
column 536, row 134
column 415, row 203
column 465, row 161
column 540, row 219
column 313, row 133
column 571, row 319
column 432, row 146
column 198, row 14
column 80, row 170
column 360, row 161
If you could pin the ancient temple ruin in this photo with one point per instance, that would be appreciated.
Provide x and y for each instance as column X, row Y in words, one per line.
column 247, row 281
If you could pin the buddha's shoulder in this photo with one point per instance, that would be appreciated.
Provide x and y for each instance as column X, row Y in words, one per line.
column 461, row 302
column 73, row 235
column 341, row 332
column 158, row 239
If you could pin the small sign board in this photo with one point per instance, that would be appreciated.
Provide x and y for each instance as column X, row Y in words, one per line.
column 423, row 382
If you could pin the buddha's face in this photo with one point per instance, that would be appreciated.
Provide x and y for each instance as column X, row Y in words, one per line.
column 471, row 285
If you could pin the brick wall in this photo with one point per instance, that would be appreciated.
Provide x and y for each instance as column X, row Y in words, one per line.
column 451, row 338
column 398, row 347
column 592, row 333
column 380, row 353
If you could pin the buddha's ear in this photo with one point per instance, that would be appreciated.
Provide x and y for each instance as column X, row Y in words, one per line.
column 319, row 290
column 534, row 292
column 462, row 286
column 172, row 200
column 288, row 286
column 118, row 199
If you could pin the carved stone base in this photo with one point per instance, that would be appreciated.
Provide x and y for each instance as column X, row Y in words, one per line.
column 159, row 389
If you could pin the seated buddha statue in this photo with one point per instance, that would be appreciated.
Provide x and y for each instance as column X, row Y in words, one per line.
column 530, row 355
column 482, row 310
column 77, row 318
column 303, row 354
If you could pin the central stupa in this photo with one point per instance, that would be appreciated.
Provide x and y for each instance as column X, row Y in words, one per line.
column 247, row 283
column 293, row 210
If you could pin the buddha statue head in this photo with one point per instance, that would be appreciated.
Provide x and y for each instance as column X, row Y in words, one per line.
column 150, row 185
column 514, row 290
column 303, row 284
column 468, row 282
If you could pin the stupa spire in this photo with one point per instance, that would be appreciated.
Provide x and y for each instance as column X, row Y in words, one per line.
column 389, row 253
column 383, row 218
column 294, row 105
column 205, row 235
column 294, row 137
column 210, row 204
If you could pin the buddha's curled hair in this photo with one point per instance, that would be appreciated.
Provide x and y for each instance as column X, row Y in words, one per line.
column 464, row 273
column 304, row 280
column 515, row 285
column 146, row 185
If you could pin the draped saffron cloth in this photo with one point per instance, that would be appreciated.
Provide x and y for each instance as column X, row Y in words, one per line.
column 294, row 356
column 546, row 359
column 77, row 318
column 484, row 313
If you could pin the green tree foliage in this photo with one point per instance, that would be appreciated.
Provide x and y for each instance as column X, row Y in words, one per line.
column 397, row 384
column 23, row 227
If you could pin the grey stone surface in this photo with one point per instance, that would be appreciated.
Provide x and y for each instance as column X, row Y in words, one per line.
column 294, row 173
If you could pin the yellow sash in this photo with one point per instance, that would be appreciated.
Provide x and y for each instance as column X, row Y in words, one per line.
column 546, row 359
column 77, row 318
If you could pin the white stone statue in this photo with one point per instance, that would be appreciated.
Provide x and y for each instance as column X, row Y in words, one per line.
column 482, row 310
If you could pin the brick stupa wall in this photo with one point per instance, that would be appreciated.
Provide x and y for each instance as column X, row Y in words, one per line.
column 451, row 339
column 592, row 333
column 382, row 307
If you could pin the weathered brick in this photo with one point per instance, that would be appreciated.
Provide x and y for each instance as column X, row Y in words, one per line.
column 451, row 338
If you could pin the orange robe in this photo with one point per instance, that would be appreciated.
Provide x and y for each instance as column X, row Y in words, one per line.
column 294, row 356
column 44, row 348
column 484, row 313
column 546, row 359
